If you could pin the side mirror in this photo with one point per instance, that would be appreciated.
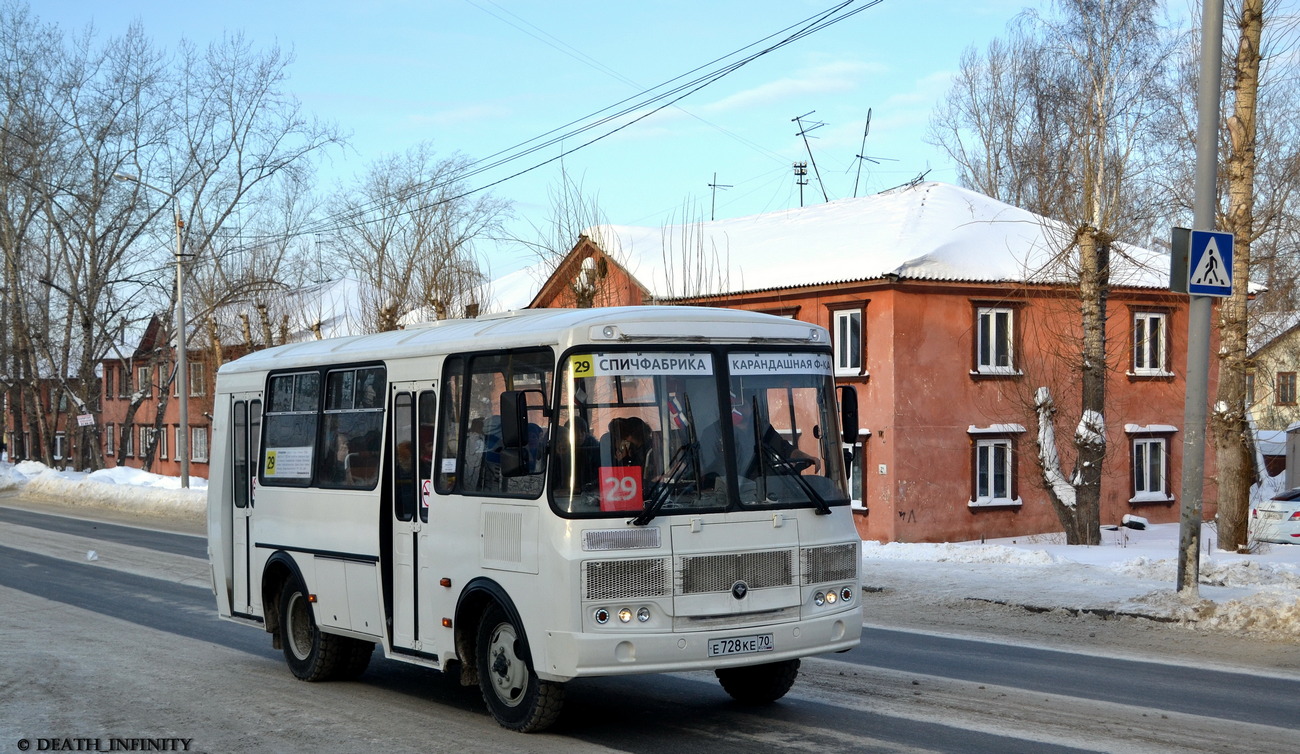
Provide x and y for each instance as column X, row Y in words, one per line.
column 514, row 419
column 848, row 413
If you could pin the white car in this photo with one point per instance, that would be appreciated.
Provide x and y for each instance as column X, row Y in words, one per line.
column 1277, row 520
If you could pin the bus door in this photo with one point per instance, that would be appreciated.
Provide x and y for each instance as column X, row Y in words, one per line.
column 245, row 434
column 412, row 457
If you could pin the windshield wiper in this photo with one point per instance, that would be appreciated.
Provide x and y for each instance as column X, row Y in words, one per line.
column 663, row 491
column 823, row 508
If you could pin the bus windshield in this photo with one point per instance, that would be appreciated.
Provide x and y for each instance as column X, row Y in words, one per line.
column 663, row 433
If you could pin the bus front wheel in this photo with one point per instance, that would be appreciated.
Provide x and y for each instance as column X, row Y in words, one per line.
column 515, row 696
column 759, row 684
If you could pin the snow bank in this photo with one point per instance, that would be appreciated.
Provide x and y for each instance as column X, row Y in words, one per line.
column 119, row 488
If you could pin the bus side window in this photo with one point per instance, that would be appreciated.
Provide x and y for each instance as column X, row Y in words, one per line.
column 447, row 460
column 404, row 491
column 426, row 416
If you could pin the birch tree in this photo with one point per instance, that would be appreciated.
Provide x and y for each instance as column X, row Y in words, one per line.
column 1058, row 118
column 407, row 229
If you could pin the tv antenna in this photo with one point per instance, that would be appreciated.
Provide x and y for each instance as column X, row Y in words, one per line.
column 713, row 210
column 803, row 132
column 862, row 155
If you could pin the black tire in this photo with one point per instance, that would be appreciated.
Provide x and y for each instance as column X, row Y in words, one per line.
column 357, row 659
column 515, row 696
column 311, row 654
column 759, row 684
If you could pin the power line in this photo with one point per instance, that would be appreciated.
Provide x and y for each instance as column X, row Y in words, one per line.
column 625, row 108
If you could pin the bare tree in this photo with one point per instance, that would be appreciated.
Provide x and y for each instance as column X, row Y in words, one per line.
column 1258, row 186
column 574, row 213
column 1059, row 119
column 407, row 230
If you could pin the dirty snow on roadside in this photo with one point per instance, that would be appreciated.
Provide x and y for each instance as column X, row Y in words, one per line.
column 1132, row 572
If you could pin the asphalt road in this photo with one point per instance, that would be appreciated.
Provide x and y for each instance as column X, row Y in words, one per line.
column 126, row 647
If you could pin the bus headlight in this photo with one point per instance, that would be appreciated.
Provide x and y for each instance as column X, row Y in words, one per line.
column 830, row 598
column 846, row 594
column 602, row 616
column 819, row 599
column 643, row 614
column 625, row 615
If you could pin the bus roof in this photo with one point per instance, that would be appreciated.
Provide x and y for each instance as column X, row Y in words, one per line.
column 563, row 327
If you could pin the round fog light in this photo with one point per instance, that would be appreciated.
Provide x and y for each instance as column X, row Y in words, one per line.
column 602, row 616
column 846, row 594
column 643, row 614
column 819, row 599
column 625, row 615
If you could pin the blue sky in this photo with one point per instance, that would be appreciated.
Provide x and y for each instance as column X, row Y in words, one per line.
column 480, row 76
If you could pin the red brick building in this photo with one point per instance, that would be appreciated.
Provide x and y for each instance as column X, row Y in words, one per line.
column 948, row 310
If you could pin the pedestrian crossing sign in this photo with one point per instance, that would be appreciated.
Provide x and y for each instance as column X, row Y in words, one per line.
column 1209, row 268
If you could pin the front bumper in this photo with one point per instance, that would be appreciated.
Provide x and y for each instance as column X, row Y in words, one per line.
column 575, row 655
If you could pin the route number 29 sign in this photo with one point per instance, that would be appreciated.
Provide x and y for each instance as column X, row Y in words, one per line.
column 620, row 488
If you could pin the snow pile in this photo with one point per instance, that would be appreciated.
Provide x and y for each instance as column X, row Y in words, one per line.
column 119, row 488
column 1130, row 573
column 954, row 553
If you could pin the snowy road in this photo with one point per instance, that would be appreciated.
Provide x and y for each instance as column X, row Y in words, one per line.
column 128, row 645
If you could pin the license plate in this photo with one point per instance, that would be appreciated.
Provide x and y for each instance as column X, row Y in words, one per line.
column 740, row 645
column 1270, row 515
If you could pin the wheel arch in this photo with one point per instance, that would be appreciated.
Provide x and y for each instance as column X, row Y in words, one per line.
column 470, row 606
column 280, row 569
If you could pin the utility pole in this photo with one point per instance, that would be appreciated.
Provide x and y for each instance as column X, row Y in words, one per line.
column 713, row 209
column 1199, row 309
column 803, row 133
column 182, row 379
column 801, row 178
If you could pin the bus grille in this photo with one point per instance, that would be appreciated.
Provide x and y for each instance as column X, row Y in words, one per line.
column 717, row 573
column 625, row 579
column 830, row 563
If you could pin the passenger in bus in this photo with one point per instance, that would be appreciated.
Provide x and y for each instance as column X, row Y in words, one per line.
column 578, row 454
column 361, row 466
column 747, row 460
column 333, row 466
column 536, row 449
column 474, row 454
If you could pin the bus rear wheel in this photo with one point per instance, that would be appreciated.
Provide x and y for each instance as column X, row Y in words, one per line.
column 759, row 684
column 311, row 654
column 515, row 696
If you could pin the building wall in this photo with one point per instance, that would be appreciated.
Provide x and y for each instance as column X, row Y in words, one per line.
column 116, row 407
column 1275, row 405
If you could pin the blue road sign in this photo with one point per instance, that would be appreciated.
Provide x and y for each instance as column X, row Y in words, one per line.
column 1209, row 269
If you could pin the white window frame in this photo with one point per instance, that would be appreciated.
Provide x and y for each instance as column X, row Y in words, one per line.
column 985, row 441
column 144, row 439
column 162, row 443
column 1143, row 488
column 199, row 444
column 110, row 438
column 848, row 345
column 986, row 340
column 1144, row 361
column 986, row 471
column 60, row 440
column 198, row 383
column 144, row 380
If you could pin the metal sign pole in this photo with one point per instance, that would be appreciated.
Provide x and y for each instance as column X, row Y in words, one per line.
column 1198, row 320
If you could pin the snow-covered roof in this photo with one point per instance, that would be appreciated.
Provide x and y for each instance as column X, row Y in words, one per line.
column 931, row 231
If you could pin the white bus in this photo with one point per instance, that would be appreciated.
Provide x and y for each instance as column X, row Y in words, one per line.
column 539, row 496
